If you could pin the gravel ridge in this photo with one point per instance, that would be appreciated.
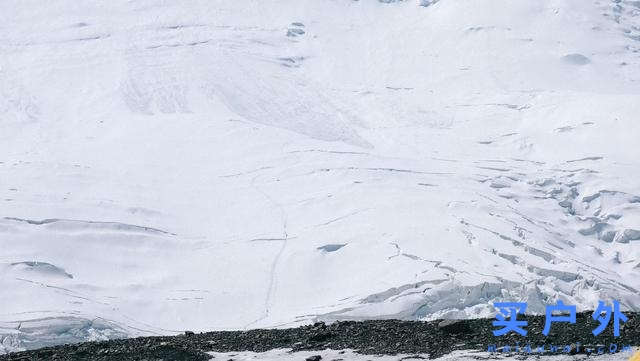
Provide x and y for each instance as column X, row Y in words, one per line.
column 390, row 337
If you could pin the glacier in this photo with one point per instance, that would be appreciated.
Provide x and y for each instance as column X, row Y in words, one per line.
column 208, row 165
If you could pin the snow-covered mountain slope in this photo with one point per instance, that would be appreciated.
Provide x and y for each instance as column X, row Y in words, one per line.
column 221, row 164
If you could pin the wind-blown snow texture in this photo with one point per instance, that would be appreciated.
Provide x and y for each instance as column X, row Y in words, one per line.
column 218, row 164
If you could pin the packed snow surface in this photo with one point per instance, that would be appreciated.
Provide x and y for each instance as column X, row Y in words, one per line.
column 216, row 164
column 350, row 355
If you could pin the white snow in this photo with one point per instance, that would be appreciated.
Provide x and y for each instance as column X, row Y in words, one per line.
column 350, row 355
column 167, row 166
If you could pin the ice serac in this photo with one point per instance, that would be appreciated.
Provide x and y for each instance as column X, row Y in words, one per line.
column 211, row 165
